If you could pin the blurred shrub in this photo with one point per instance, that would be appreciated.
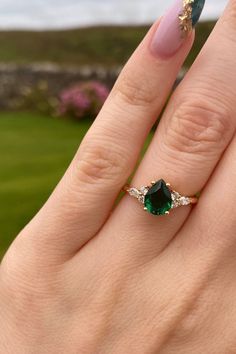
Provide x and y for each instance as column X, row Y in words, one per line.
column 39, row 99
column 82, row 100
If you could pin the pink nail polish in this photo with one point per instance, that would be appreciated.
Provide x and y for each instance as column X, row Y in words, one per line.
column 176, row 26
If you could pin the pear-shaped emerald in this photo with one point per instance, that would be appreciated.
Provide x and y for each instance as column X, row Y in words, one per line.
column 158, row 199
column 197, row 7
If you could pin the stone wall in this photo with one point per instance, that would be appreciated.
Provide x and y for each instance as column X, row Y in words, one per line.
column 15, row 79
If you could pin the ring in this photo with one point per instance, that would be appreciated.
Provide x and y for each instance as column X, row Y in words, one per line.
column 159, row 198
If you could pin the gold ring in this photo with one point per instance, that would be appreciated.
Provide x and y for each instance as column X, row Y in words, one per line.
column 159, row 197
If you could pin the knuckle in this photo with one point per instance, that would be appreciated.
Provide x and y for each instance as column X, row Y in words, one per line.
column 130, row 90
column 199, row 126
column 100, row 162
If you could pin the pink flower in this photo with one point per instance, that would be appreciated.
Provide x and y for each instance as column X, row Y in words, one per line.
column 101, row 91
column 83, row 99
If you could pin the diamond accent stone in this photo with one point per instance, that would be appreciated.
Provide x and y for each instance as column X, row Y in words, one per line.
column 175, row 199
column 134, row 192
column 141, row 198
column 175, row 196
column 144, row 190
column 179, row 200
column 184, row 201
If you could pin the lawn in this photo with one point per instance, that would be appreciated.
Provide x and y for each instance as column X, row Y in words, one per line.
column 34, row 153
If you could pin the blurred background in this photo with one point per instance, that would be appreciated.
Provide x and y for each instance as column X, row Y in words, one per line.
column 58, row 62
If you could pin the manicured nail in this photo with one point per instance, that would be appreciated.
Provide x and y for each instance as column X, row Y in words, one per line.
column 175, row 27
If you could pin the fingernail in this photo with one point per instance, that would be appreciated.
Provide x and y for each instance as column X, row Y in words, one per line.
column 175, row 27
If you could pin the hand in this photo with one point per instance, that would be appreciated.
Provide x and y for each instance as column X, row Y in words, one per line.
column 80, row 279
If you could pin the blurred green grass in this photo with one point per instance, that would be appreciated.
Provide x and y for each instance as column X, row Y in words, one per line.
column 109, row 45
column 34, row 153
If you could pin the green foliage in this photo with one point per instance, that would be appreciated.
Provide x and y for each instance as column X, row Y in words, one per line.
column 96, row 45
column 38, row 98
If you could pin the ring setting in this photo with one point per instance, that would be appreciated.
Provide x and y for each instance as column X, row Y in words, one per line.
column 159, row 198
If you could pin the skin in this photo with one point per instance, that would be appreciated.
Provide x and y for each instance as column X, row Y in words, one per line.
column 85, row 277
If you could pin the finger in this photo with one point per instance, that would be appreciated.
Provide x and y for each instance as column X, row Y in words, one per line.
column 208, row 237
column 84, row 198
column 205, row 247
column 195, row 131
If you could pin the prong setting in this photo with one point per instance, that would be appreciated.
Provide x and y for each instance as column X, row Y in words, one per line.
column 159, row 198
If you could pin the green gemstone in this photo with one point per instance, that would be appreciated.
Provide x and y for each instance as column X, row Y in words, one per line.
column 197, row 7
column 158, row 199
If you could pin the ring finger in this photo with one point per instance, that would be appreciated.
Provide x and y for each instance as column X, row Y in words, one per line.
column 196, row 129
